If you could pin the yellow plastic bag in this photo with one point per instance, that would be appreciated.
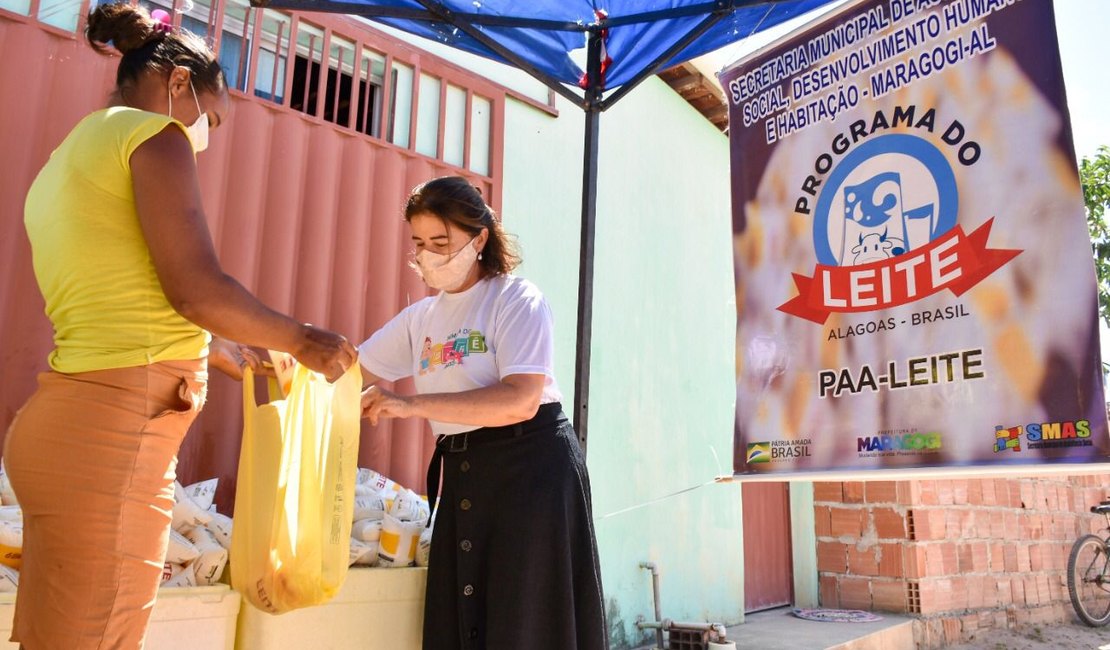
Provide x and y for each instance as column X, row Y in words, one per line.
column 294, row 502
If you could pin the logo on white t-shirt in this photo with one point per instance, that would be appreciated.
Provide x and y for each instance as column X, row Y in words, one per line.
column 462, row 343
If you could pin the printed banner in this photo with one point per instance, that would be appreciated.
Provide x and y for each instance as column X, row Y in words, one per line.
column 914, row 279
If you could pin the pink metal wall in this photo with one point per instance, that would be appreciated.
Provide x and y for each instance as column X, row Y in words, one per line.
column 305, row 213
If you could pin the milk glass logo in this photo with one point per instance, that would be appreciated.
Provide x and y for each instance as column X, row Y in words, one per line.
column 890, row 196
column 885, row 229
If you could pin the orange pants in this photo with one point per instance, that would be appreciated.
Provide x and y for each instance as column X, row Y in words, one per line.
column 92, row 458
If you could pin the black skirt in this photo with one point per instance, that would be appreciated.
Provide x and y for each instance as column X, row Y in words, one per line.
column 513, row 563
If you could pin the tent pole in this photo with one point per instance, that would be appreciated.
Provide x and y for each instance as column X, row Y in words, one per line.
column 586, row 251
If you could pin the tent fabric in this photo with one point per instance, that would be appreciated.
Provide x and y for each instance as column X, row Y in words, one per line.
column 550, row 35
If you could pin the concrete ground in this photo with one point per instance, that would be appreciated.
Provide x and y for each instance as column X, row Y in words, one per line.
column 778, row 629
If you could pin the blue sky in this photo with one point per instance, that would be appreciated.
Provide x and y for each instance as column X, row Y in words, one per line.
column 1085, row 51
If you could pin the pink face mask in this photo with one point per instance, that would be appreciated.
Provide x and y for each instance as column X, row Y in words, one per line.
column 446, row 271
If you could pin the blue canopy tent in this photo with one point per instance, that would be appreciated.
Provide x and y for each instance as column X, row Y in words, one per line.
column 625, row 42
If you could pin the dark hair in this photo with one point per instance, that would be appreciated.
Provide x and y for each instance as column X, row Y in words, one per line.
column 454, row 199
column 146, row 45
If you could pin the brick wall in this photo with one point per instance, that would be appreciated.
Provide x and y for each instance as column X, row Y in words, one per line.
column 962, row 555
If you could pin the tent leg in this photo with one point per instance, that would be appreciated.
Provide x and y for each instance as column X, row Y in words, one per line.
column 586, row 277
column 586, row 252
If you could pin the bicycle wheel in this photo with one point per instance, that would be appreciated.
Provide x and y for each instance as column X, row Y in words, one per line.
column 1089, row 580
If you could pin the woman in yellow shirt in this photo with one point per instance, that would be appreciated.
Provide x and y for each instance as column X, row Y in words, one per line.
column 132, row 285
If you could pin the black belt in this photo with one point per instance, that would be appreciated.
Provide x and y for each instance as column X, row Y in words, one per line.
column 547, row 416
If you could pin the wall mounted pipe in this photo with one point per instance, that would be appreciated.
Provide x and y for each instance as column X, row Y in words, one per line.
column 658, row 607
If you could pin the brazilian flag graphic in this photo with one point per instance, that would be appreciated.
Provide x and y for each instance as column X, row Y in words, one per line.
column 759, row 452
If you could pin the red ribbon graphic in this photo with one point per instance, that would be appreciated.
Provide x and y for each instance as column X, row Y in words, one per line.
column 956, row 261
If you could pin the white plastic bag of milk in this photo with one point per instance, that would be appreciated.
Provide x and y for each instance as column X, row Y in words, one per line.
column 283, row 363
column 377, row 481
column 11, row 544
column 180, row 550
column 424, row 548
column 9, row 580
column 363, row 553
column 367, row 530
column 7, row 494
column 211, row 559
column 409, row 506
column 372, row 507
column 203, row 492
column 186, row 512
column 221, row 528
column 397, row 546
column 180, row 576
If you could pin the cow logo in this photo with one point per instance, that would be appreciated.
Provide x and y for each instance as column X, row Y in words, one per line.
column 759, row 452
column 885, row 221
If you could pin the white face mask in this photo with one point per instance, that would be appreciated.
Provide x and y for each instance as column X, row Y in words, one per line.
column 198, row 131
column 446, row 272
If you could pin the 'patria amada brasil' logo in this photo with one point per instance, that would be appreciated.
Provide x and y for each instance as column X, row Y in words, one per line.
column 885, row 229
column 773, row 451
column 759, row 452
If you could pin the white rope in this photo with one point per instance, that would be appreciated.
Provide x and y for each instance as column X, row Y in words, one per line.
column 653, row 501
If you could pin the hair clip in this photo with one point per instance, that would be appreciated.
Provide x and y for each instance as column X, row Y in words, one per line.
column 163, row 22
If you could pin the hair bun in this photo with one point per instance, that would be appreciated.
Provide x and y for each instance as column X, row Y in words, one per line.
column 125, row 27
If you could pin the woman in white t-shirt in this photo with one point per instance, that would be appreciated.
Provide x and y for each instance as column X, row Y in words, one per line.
column 513, row 561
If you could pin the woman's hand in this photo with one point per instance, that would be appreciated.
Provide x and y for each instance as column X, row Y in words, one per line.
column 380, row 403
column 325, row 352
column 230, row 358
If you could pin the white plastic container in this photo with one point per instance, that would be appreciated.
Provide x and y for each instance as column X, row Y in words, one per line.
column 194, row 618
column 377, row 609
column 184, row 618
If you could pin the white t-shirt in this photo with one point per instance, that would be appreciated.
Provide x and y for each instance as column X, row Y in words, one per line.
column 453, row 342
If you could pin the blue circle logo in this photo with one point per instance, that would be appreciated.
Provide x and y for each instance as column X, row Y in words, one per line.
column 891, row 195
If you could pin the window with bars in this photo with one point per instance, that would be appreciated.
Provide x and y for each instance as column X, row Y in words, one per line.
column 273, row 55
column 314, row 69
column 63, row 14
column 370, row 89
column 338, row 79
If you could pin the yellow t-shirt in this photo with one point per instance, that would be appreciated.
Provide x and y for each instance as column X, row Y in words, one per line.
column 91, row 261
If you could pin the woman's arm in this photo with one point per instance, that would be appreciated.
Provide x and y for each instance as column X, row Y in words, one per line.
column 167, row 197
column 368, row 378
column 515, row 398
